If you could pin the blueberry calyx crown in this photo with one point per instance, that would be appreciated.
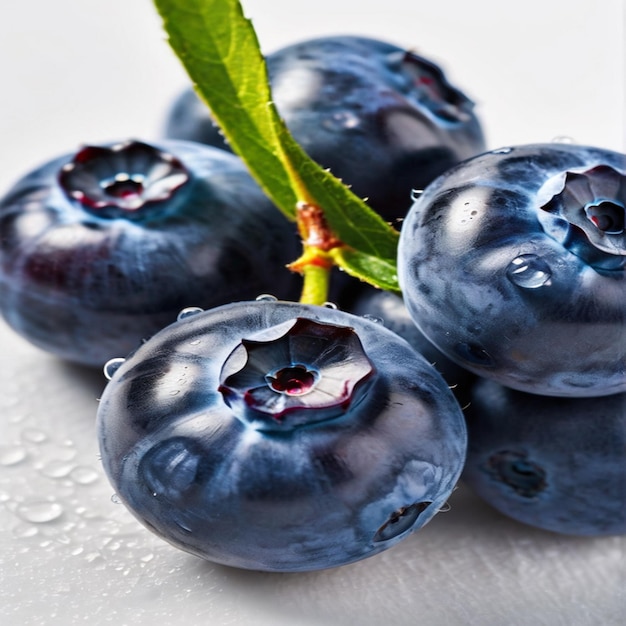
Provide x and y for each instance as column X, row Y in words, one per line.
column 122, row 179
column 313, row 372
column 429, row 86
column 593, row 206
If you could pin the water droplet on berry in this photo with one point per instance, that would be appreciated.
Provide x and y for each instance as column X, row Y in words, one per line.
column 416, row 193
column 40, row 512
column 341, row 120
column 330, row 305
column 266, row 297
column 563, row 139
column 506, row 150
column 111, row 366
column 115, row 499
column 189, row 312
column 529, row 271
column 373, row 318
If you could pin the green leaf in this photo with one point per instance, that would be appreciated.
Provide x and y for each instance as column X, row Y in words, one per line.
column 219, row 48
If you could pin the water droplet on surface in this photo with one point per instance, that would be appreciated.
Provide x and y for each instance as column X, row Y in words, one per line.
column 12, row 455
column 189, row 312
column 416, row 193
column 23, row 531
column 40, row 512
column 57, row 469
column 330, row 305
column 111, row 366
column 505, row 150
column 116, row 499
column 529, row 271
column 266, row 297
column 84, row 475
column 563, row 139
column 34, row 435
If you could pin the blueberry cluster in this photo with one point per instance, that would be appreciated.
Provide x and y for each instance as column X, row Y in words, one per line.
column 266, row 434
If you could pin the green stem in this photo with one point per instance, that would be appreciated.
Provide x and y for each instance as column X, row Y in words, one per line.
column 315, row 284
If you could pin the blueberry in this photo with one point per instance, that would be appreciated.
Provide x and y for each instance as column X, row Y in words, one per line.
column 381, row 118
column 512, row 264
column 279, row 436
column 553, row 463
column 102, row 248
column 389, row 309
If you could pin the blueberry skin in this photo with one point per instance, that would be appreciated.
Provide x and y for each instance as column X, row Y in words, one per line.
column 390, row 310
column 90, row 282
column 512, row 291
column 316, row 495
column 381, row 118
column 553, row 463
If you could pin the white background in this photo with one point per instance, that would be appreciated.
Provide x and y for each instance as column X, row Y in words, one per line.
column 85, row 71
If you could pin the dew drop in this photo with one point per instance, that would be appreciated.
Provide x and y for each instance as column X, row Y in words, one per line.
column 40, row 512
column 563, row 139
column 529, row 271
column 116, row 499
column 506, row 150
column 111, row 366
column 266, row 297
column 189, row 312
column 23, row 531
column 416, row 193
column 12, row 455
column 330, row 305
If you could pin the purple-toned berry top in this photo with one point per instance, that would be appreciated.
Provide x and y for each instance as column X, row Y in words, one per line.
column 591, row 203
column 123, row 178
column 311, row 373
column 429, row 86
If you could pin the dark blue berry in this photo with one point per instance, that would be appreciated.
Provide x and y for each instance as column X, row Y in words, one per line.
column 100, row 249
column 554, row 463
column 513, row 264
column 383, row 119
column 280, row 436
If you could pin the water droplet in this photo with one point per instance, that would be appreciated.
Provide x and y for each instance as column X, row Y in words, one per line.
column 23, row 531
column 84, row 475
column 563, row 139
column 266, row 297
column 373, row 318
column 330, row 305
column 111, row 366
column 57, row 469
column 146, row 558
column 190, row 311
column 34, row 435
column 529, row 271
column 12, row 455
column 40, row 511
column 416, row 193
column 505, row 150
column 116, row 499
column 341, row 120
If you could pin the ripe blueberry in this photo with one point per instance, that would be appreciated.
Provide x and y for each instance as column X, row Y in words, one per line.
column 381, row 118
column 512, row 264
column 102, row 248
column 553, row 463
column 280, row 436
